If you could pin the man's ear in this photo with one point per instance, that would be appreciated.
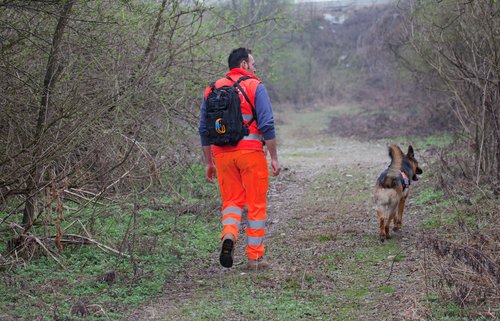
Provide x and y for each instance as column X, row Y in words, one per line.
column 410, row 153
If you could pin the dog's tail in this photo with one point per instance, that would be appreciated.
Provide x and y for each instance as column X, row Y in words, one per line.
column 396, row 156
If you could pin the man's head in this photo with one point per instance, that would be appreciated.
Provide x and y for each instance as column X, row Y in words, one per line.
column 241, row 58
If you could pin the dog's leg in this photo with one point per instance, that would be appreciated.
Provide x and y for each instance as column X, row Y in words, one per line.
column 392, row 215
column 380, row 215
column 399, row 218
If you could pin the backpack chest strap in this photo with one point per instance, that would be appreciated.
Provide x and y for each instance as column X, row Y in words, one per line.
column 237, row 85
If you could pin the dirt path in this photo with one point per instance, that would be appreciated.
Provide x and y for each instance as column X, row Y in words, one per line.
column 322, row 242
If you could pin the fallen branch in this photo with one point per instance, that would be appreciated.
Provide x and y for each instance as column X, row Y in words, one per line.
column 394, row 261
column 100, row 309
column 4, row 262
column 100, row 245
column 81, row 196
column 39, row 242
column 81, row 225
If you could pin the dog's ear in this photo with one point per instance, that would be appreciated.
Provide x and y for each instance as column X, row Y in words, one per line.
column 410, row 153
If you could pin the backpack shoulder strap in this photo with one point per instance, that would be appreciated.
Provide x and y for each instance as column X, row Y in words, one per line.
column 237, row 84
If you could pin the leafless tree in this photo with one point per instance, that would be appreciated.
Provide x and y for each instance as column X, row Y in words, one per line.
column 102, row 97
column 459, row 40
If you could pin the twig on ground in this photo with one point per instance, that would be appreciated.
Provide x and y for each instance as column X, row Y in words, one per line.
column 100, row 309
column 100, row 245
column 303, row 279
column 81, row 225
column 37, row 240
column 394, row 261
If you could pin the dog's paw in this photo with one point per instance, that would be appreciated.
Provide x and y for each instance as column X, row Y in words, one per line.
column 396, row 228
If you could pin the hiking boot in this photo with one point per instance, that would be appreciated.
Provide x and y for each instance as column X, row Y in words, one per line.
column 227, row 251
column 259, row 264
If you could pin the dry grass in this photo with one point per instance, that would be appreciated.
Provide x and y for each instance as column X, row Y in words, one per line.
column 467, row 272
column 463, row 259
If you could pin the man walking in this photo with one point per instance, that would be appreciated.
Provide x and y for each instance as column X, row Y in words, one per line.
column 242, row 168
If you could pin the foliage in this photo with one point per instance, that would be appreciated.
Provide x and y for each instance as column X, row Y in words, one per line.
column 109, row 99
column 100, row 99
column 159, row 254
column 459, row 42
column 156, row 240
column 99, row 103
column 359, row 55
column 460, row 244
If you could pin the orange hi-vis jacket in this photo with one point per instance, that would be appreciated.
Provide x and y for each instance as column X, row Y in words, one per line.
column 254, row 140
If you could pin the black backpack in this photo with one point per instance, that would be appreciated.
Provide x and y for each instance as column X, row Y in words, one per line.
column 224, row 120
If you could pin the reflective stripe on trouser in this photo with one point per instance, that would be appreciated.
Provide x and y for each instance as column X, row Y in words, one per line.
column 243, row 179
column 231, row 218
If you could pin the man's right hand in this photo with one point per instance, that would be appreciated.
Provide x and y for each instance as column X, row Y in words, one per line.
column 275, row 167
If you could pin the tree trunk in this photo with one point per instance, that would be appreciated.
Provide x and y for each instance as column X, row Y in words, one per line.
column 496, row 123
column 154, row 34
column 48, row 84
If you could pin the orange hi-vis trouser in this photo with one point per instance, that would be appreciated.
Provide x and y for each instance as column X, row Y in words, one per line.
column 243, row 180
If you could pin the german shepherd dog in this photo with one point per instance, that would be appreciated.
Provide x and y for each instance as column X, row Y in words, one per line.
column 392, row 187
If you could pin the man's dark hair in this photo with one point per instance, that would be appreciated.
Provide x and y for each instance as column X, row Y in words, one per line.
column 237, row 56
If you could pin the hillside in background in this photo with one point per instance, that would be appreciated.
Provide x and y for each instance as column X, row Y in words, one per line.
column 356, row 55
